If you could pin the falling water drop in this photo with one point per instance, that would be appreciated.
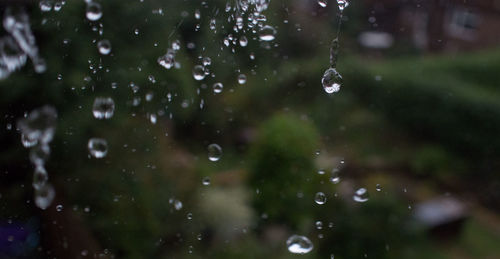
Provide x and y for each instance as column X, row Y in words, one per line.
column 93, row 11
column 243, row 41
column 335, row 176
column 242, row 79
column 40, row 177
column 59, row 208
column 104, row 47
column 331, row 81
column 323, row 3
column 361, row 195
column 103, row 108
column 342, row 4
column 320, row 198
column 299, row 244
column 44, row 196
column 199, row 72
column 218, row 88
column 206, row 181
column 378, row 187
column 98, row 147
column 214, row 152
column 267, row 33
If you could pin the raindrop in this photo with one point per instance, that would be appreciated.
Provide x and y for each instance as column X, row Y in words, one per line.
column 45, row 5
column 207, row 61
column 378, row 188
column 39, row 154
column 59, row 208
column 331, row 81
column 361, row 195
column 205, row 181
column 177, row 204
column 243, row 41
column 44, row 196
column 104, row 47
column 319, row 225
column 342, row 4
column 267, row 33
column 214, row 152
column 103, row 108
column 39, row 124
column 242, row 79
column 94, row 11
column 199, row 72
column 335, row 177
column 40, row 177
column 299, row 244
column 98, row 147
column 320, row 198
column 323, row 3
column 218, row 88
column 27, row 142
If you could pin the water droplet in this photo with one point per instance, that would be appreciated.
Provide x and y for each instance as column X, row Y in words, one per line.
column 199, row 72
column 361, row 195
column 335, row 176
column 242, row 79
column 167, row 61
column 267, row 33
column 378, row 188
column 45, row 5
column 40, row 177
column 104, row 47
column 59, row 208
column 243, row 41
column 177, row 204
column 319, row 225
column 299, row 244
column 218, row 87
column 214, row 152
column 44, row 196
column 342, row 4
column 331, row 81
column 189, row 216
column 206, row 180
column 321, row 172
column 320, row 198
column 93, row 11
column 98, row 147
column 27, row 142
column 103, row 108
column 39, row 154
column 323, row 3
column 39, row 124
column 207, row 61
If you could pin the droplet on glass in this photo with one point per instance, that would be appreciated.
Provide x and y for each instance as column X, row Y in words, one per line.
column 335, row 176
column 361, row 195
column 331, row 81
column 214, row 152
column 378, row 188
column 299, row 244
column 320, row 198
column 206, row 181
column 243, row 41
column 98, row 147
column 319, row 225
column 342, row 4
column 59, row 208
column 93, row 11
column 323, row 3
column 104, row 47
column 103, row 108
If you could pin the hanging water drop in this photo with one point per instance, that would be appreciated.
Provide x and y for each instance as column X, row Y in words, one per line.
column 299, row 244
column 331, row 81
column 98, row 147
column 214, row 152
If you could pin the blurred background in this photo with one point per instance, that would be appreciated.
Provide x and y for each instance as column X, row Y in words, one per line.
column 402, row 162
